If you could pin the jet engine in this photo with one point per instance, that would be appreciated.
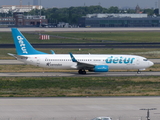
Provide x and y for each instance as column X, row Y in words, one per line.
column 100, row 68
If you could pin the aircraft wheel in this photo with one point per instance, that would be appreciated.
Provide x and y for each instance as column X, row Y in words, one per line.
column 138, row 72
column 82, row 71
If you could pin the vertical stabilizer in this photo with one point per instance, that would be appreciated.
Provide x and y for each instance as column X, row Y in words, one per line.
column 23, row 47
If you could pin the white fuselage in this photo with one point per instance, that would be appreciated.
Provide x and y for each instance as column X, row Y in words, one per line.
column 63, row 61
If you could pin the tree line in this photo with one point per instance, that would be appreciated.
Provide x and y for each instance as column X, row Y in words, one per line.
column 70, row 15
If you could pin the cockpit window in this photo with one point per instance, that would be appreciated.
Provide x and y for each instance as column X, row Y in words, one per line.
column 145, row 60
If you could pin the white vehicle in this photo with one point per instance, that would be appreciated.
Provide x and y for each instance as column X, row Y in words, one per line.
column 102, row 118
column 81, row 62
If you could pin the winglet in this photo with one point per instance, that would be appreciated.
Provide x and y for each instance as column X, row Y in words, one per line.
column 73, row 58
column 52, row 52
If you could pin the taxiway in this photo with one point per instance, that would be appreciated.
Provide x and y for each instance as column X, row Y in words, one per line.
column 79, row 108
column 75, row 74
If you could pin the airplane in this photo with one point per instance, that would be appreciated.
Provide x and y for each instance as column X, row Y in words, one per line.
column 81, row 62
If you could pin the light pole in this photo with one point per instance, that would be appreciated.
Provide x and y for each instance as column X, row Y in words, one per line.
column 40, row 25
column 148, row 112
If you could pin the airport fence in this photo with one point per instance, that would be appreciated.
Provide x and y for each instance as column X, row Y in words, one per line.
column 82, row 118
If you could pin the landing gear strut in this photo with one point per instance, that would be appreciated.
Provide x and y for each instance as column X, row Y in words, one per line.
column 138, row 72
column 81, row 71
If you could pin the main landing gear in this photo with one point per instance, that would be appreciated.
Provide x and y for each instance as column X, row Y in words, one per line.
column 82, row 71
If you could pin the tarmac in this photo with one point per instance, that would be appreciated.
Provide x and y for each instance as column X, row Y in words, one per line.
column 78, row 108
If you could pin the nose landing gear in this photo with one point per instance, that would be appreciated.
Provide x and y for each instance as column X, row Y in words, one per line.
column 82, row 71
column 138, row 72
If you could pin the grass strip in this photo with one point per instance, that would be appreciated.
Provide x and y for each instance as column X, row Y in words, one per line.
column 79, row 86
column 85, row 37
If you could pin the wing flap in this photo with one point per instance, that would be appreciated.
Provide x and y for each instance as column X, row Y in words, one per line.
column 84, row 65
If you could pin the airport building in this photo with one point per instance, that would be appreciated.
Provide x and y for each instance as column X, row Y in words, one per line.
column 20, row 20
column 119, row 20
column 29, row 20
column 7, row 21
column 18, row 8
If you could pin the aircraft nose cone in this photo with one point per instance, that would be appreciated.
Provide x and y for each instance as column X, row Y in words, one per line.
column 151, row 63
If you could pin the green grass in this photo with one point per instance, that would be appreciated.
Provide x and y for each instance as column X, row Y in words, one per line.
column 79, row 86
column 5, row 37
column 85, row 37
column 112, row 36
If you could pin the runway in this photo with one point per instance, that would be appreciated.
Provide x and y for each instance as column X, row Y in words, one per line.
column 80, row 108
column 75, row 74
column 90, row 45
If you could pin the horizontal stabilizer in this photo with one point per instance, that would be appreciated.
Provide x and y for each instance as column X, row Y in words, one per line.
column 17, row 56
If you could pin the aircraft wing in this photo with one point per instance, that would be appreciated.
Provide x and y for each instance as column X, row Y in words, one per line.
column 81, row 65
column 17, row 56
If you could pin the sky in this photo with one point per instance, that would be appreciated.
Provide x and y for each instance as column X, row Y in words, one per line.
column 69, row 3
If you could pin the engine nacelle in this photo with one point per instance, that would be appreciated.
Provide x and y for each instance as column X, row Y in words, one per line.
column 100, row 68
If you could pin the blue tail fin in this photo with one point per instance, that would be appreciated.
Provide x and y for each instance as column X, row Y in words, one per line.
column 23, row 47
